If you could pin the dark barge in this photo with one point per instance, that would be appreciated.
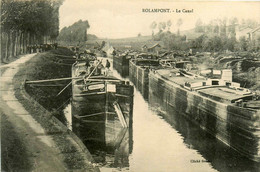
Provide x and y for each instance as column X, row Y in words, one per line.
column 138, row 73
column 102, row 105
column 121, row 64
column 219, row 106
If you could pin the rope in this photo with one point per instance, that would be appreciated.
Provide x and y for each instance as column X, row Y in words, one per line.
column 63, row 104
column 64, row 88
column 92, row 71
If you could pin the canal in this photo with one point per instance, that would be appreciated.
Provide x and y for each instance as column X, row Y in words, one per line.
column 161, row 140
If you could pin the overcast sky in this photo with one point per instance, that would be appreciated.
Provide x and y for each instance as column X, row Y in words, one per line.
column 124, row 18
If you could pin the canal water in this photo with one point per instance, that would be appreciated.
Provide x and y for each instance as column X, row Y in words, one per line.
column 161, row 140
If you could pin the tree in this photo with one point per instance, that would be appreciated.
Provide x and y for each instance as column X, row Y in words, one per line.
column 232, row 27
column 174, row 42
column 199, row 26
column 27, row 22
column 169, row 24
column 251, row 23
column 243, row 43
column 161, row 26
column 74, row 33
column 153, row 26
column 223, row 27
column 179, row 23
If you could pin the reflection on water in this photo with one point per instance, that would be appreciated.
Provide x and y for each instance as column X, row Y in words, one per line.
column 161, row 140
column 217, row 154
column 109, row 143
column 67, row 113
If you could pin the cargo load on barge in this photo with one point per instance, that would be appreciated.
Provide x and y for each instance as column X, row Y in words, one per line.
column 102, row 105
column 139, row 68
column 121, row 63
column 214, row 102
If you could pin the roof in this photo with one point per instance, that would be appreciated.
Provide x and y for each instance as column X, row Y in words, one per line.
column 245, row 30
column 150, row 44
column 156, row 45
column 256, row 29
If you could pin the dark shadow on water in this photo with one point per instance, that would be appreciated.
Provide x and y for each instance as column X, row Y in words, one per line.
column 107, row 152
column 220, row 156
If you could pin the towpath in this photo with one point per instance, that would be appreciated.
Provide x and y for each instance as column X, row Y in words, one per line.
column 41, row 151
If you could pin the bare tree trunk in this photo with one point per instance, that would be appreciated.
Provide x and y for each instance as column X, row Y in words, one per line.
column 16, row 51
column 21, row 42
column 24, row 42
column 46, row 41
column 27, row 39
column 3, row 45
column 7, row 46
column 13, row 44
column 30, row 39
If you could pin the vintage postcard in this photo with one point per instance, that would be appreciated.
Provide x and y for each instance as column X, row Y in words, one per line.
column 130, row 85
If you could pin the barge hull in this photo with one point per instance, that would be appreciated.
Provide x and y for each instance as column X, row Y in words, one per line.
column 139, row 77
column 235, row 126
column 121, row 64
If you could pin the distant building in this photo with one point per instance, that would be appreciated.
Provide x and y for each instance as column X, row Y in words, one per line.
column 247, row 32
column 108, row 49
column 144, row 48
column 154, row 49
column 253, row 34
column 243, row 32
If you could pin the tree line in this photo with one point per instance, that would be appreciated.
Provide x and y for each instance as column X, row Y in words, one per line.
column 161, row 26
column 218, row 35
column 76, row 33
column 28, row 22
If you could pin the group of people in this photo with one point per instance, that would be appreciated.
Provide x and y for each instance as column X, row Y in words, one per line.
column 96, row 68
column 40, row 48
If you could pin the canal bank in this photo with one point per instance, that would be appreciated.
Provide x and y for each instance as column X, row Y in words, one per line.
column 49, row 145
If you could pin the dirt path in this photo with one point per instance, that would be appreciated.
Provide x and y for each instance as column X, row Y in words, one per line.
column 40, row 149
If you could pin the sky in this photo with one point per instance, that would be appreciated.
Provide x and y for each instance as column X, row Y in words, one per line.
column 125, row 18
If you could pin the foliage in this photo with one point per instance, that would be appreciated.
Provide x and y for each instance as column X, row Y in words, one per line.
column 153, row 26
column 179, row 23
column 75, row 33
column 36, row 17
column 161, row 26
column 172, row 41
column 27, row 22
column 169, row 24
column 199, row 26
column 37, row 71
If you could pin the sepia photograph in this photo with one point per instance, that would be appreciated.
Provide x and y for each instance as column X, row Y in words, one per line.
column 130, row 85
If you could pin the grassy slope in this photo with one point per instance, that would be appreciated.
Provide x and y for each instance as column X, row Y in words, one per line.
column 43, row 67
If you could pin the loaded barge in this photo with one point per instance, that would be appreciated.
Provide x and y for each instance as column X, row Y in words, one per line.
column 214, row 102
column 121, row 63
column 101, row 104
column 139, row 68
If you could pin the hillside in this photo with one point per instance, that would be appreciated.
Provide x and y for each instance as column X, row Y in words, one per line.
column 124, row 43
